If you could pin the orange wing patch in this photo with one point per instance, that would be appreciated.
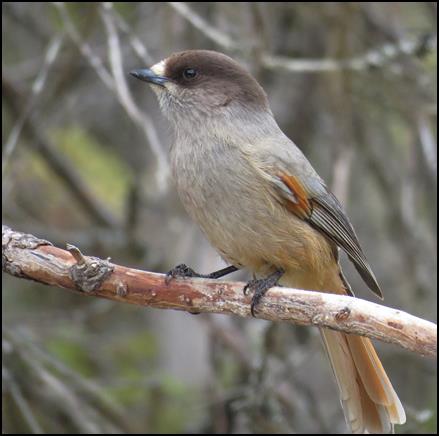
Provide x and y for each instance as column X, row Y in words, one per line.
column 300, row 204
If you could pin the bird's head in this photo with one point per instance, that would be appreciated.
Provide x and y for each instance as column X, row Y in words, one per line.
column 197, row 84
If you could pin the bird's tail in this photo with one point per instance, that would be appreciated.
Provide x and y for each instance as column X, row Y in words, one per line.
column 369, row 401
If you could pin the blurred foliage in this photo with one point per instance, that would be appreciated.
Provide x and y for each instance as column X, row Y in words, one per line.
column 103, row 171
column 80, row 365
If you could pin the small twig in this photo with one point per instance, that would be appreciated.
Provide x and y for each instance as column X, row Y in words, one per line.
column 136, row 44
column 374, row 58
column 88, row 273
column 116, row 83
column 25, row 352
column 59, row 164
column 37, row 87
column 50, row 265
column 85, row 49
column 126, row 100
column 21, row 402
column 428, row 143
column 203, row 26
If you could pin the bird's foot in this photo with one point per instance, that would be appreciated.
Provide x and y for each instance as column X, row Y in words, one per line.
column 183, row 270
column 260, row 286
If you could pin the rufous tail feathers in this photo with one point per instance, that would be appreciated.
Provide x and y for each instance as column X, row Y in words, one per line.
column 369, row 401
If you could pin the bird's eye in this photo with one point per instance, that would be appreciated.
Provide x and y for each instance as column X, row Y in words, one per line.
column 189, row 73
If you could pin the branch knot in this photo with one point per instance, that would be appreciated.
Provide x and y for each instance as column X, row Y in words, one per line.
column 88, row 273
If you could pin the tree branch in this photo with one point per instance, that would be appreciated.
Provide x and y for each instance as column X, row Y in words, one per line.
column 26, row 256
column 125, row 98
column 378, row 57
column 37, row 87
column 116, row 83
column 58, row 163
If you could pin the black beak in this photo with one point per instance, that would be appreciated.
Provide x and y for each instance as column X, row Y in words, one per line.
column 148, row 75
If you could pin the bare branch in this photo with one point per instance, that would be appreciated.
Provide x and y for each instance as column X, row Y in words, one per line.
column 428, row 143
column 57, row 162
column 203, row 26
column 28, row 257
column 117, row 84
column 85, row 49
column 126, row 100
column 21, row 402
column 37, row 87
column 373, row 58
column 136, row 44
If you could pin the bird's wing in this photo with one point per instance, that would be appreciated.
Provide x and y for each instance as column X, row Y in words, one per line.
column 314, row 203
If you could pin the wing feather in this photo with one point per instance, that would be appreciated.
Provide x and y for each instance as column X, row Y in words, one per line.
column 317, row 205
column 329, row 217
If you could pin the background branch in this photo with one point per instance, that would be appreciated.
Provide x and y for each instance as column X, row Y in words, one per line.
column 37, row 139
column 25, row 256
column 37, row 87
column 126, row 100
column 374, row 58
column 116, row 83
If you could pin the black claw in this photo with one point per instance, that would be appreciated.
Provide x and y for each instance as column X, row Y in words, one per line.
column 181, row 270
column 247, row 288
column 259, row 287
column 255, row 301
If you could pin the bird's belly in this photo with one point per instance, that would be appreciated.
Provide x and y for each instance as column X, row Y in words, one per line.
column 244, row 221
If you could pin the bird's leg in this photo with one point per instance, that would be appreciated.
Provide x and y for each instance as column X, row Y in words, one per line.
column 183, row 270
column 260, row 286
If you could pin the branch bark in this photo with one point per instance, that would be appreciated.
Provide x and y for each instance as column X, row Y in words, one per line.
column 26, row 256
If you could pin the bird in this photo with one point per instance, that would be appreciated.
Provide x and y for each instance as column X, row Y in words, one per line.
column 264, row 208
